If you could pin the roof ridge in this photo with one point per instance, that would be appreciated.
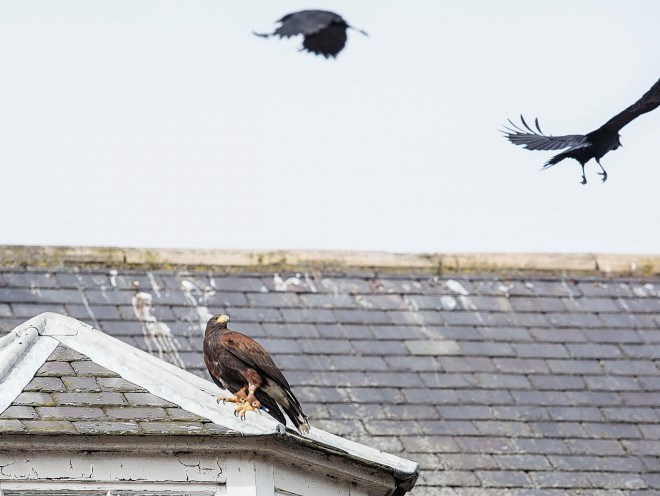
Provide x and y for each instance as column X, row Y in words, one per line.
column 241, row 260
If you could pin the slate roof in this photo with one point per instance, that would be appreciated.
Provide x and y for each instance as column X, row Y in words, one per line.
column 71, row 394
column 497, row 383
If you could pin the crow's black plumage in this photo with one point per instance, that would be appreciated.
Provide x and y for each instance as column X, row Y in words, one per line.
column 324, row 32
column 583, row 147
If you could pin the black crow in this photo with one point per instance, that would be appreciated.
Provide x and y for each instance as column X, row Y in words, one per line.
column 583, row 147
column 324, row 32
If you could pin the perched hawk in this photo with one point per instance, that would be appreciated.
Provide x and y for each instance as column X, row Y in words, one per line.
column 324, row 32
column 584, row 147
column 238, row 363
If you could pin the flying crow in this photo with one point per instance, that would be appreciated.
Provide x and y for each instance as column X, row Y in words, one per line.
column 583, row 147
column 324, row 32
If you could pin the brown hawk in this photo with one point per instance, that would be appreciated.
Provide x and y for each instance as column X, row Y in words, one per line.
column 238, row 363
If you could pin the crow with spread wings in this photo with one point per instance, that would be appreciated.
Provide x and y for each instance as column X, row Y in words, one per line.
column 238, row 363
column 324, row 32
column 583, row 147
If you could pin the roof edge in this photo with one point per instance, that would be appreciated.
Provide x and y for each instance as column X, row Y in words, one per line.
column 255, row 260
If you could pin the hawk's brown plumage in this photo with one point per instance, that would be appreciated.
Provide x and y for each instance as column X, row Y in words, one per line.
column 238, row 363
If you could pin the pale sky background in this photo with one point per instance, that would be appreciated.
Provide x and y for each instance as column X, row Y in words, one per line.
column 168, row 124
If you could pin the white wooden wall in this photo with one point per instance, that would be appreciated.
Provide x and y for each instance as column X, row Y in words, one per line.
column 119, row 474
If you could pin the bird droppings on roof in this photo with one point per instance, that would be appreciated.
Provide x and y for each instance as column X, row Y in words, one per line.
column 157, row 335
column 552, row 375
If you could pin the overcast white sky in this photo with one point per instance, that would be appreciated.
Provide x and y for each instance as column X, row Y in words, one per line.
column 168, row 124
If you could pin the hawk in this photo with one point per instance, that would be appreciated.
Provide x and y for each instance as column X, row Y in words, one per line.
column 583, row 147
column 238, row 363
column 324, row 32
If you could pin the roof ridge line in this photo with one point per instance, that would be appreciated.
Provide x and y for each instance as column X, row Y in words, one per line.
column 245, row 260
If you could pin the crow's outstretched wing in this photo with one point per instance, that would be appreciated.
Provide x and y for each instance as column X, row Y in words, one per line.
column 306, row 22
column 535, row 139
column 649, row 101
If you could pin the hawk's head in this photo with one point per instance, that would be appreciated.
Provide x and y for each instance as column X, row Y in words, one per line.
column 219, row 321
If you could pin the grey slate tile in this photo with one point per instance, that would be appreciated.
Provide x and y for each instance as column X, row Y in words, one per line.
column 49, row 427
column 45, row 384
column 520, row 412
column 521, row 365
column 449, row 478
column 540, row 350
column 378, row 347
column 11, row 426
column 523, row 462
column 504, row 478
column 97, row 428
column 576, row 413
column 89, row 368
column 554, row 335
column 19, row 412
column 135, row 414
column 560, row 382
column 460, row 461
column 116, row 384
column 630, row 367
column 612, row 383
column 561, row 479
column 89, row 399
column 29, row 310
column 69, row 413
column 34, row 399
column 81, row 384
column 589, row 463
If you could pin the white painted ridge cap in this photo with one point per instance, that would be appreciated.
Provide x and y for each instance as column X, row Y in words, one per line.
column 27, row 347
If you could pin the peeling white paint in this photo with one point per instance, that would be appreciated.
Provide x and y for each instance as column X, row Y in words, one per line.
column 157, row 335
column 35, row 290
column 529, row 286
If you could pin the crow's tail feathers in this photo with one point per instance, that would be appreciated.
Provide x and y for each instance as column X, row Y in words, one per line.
column 554, row 160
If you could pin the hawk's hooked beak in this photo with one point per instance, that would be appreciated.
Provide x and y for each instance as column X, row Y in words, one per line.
column 222, row 319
